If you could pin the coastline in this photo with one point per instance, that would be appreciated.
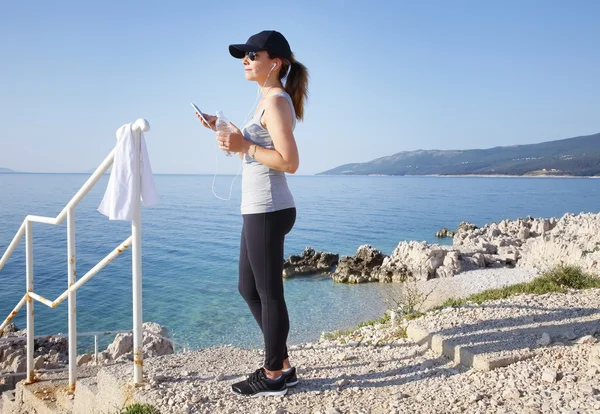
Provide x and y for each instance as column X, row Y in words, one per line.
column 459, row 175
column 513, row 176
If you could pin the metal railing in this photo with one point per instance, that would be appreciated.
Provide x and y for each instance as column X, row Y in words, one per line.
column 134, row 241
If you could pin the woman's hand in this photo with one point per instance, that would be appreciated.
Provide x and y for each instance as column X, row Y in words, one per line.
column 232, row 140
column 212, row 120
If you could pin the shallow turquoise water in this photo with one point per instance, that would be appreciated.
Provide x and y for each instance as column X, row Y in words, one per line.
column 191, row 241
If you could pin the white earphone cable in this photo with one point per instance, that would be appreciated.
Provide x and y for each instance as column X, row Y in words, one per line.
column 242, row 163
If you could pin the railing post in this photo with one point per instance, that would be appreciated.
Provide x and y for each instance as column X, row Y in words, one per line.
column 71, row 279
column 29, row 287
column 136, row 253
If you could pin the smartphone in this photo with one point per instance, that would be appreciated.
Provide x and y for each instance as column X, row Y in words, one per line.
column 200, row 113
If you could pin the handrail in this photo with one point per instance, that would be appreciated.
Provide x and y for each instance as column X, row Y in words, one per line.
column 109, row 258
column 68, row 212
column 12, row 245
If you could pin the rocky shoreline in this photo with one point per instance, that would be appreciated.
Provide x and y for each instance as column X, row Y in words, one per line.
column 538, row 243
column 51, row 353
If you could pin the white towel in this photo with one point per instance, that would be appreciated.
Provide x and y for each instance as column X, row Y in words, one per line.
column 117, row 203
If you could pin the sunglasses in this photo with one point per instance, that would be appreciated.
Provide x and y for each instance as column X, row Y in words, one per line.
column 252, row 55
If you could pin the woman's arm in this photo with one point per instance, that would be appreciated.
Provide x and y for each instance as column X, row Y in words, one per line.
column 277, row 118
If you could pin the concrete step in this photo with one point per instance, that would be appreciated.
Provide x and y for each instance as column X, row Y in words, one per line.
column 7, row 403
column 86, row 397
column 115, row 391
column 44, row 397
column 98, row 391
column 8, row 396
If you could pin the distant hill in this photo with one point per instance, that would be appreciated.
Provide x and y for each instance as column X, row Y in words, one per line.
column 6, row 170
column 579, row 156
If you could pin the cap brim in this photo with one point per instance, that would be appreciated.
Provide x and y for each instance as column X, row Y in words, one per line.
column 239, row 51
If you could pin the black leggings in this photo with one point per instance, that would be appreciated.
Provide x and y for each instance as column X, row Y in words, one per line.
column 261, row 282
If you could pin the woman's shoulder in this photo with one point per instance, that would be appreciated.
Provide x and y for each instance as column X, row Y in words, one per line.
column 277, row 97
column 279, row 100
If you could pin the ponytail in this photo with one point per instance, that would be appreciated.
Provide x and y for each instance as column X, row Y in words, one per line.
column 296, row 83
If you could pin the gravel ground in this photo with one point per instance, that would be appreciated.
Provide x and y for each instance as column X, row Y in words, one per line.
column 375, row 370
column 518, row 326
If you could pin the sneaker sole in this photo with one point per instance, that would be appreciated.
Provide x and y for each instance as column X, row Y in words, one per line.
column 270, row 393
column 292, row 384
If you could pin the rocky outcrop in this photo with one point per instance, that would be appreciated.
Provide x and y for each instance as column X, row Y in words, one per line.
column 153, row 344
column 499, row 238
column 53, row 352
column 572, row 240
column 422, row 261
column 309, row 262
column 360, row 268
column 540, row 243
column 49, row 353
column 443, row 233
column 528, row 242
column 417, row 260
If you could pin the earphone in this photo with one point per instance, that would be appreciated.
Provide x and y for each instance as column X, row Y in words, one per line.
column 241, row 165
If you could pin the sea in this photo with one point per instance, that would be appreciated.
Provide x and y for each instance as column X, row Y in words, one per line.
column 191, row 245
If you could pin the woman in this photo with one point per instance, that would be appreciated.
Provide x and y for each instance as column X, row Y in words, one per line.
column 268, row 150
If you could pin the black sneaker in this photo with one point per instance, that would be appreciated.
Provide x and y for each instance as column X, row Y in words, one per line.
column 257, row 385
column 291, row 380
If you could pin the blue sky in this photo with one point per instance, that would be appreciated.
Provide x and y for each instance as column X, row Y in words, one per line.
column 386, row 76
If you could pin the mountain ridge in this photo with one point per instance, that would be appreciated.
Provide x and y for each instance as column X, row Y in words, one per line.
column 578, row 156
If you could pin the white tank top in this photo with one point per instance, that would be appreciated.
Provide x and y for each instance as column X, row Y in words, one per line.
column 264, row 189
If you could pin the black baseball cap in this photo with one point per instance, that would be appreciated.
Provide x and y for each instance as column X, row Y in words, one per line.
column 269, row 40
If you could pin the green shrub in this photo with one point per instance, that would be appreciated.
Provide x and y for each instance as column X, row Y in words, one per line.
column 384, row 319
column 557, row 280
column 140, row 409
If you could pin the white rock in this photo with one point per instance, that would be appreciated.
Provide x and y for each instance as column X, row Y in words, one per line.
column 569, row 334
column 152, row 345
column 38, row 362
column 83, row 359
column 587, row 339
column 475, row 397
column 544, row 340
column 342, row 382
column 122, row 344
column 19, row 364
column 195, row 398
column 511, row 393
column 594, row 360
column 549, row 375
column 588, row 390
